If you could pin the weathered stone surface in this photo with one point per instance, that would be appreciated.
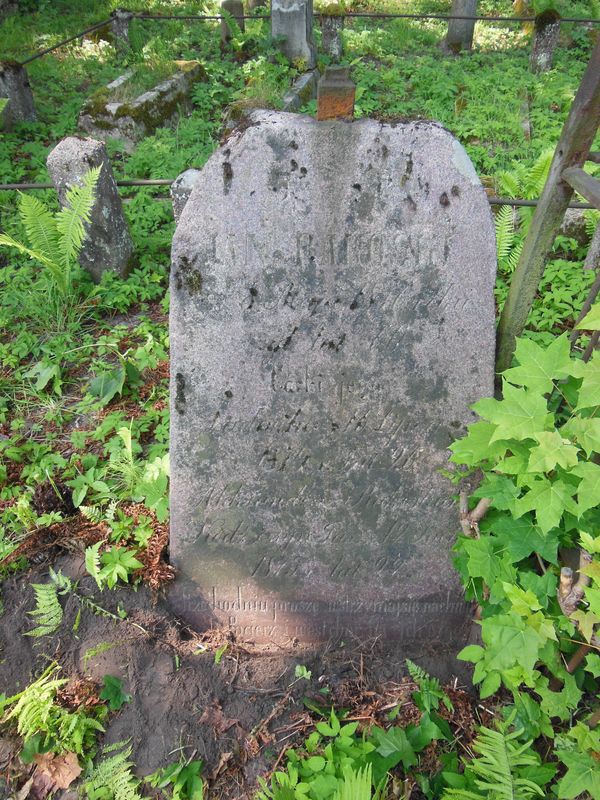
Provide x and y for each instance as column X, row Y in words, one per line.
column 108, row 245
column 331, row 36
column 129, row 122
column 460, row 31
column 121, row 20
column 181, row 189
column 335, row 95
column 293, row 20
column 303, row 90
column 332, row 318
column 14, row 86
column 545, row 38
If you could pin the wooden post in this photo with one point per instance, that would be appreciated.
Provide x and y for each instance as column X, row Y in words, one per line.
column 460, row 31
column 572, row 151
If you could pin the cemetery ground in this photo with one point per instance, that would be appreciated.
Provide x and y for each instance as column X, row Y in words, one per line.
column 84, row 438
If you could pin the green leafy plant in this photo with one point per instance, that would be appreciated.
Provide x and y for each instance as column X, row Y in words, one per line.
column 114, row 564
column 36, row 713
column 55, row 239
column 112, row 692
column 112, row 777
column 504, row 769
column 183, row 780
column 48, row 612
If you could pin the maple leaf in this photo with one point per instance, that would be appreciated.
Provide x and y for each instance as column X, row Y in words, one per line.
column 588, row 491
column 589, row 392
column 522, row 537
column 586, row 432
column 551, row 450
column 549, row 500
column 582, row 775
column 519, row 415
column 539, row 366
column 476, row 445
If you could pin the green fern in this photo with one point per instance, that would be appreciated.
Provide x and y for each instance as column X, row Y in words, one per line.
column 48, row 611
column 496, row 773
column 430, row 691
column 55, row 240
column 357, row 786
column 35, row 711
column 505, row 232
column 112, row 778
column 92, row 562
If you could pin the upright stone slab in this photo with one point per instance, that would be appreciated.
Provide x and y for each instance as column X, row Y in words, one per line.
column 292, row 22
column 15, row 87
column 108, row 245
column 181, row 189
column 332, row 318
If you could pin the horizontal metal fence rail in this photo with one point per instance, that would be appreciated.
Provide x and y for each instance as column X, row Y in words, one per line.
column 348, row 15
column 492, row 200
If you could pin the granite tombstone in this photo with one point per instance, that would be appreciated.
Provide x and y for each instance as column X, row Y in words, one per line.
column 332, row 319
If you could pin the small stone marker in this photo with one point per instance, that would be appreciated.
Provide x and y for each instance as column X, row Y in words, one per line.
column 181, row 189
column 545, row 38
column 120, row 29
column 108, row 245
column 332, row 318
column 14, row 86
column 236, row 9
column 332, row 26
column 293, row 20
column 335, row 96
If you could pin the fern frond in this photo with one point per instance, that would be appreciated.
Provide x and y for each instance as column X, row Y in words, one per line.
column 537, row 176
column 39, row 224
column 505, row 232
column 508, row 184
column 48, row 611
column 70, row 220
column 591, row 217
column 112, row 778
column 33, row 707
column 92, row 562
column 54, row 269
column 356, row 785
column 495, row 773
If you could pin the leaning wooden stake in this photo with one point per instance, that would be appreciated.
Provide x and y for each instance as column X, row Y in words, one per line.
column 572, row 151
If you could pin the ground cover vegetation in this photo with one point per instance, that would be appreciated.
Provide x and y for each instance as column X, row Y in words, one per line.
column 84, row 435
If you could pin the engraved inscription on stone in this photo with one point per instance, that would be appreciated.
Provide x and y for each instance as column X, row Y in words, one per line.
column 332, row 319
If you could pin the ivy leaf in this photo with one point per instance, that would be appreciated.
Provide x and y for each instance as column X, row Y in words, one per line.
column 549, row 500
column 588, row 491
column 582, row 775
column 476, row 446
column 510, row 641
column 522, row 537
column 520, row 415
column 500, row 489
column 589, row 393
column 113, row 693
column 540, row 366
column 482, row 558
column 559, row 704
column 551, row 450
column 586, row 432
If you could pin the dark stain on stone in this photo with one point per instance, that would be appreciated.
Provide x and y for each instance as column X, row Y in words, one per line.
column 294, row 164
column 253, row 294
column 446, row 251
column 410, row 202
column 357, row 186
column 179, row 393
column 455, row 191
column 229, row 394
column 293, row 145
column 444, row 200
column 334, row 345
column 273, row 348
column 188, row 277
column 303, row 172
column 227, row 176
column 384, row 151
column 354, row 303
